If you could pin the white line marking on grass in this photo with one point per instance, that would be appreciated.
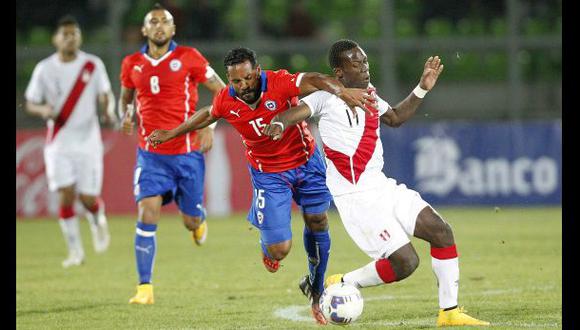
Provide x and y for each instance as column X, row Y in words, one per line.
column 300, row 313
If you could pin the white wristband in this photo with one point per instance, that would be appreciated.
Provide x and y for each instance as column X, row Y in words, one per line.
column 279, row 124
column 212, row 126
column 420, row 92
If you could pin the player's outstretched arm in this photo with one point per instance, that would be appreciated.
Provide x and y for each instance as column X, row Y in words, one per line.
column 126, row 110
column 353, row 97
column 200, row 119
column 407, row 108
column 286, row 119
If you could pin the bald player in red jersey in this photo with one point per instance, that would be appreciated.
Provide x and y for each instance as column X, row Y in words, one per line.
column 281, row 172
column 162, row 80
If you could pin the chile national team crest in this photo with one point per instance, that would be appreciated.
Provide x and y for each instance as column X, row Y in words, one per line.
column 175, row 65
column 271, row 105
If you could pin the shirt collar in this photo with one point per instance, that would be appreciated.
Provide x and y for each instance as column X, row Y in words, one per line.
column 145, row 48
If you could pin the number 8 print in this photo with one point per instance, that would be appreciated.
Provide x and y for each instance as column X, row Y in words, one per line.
column 154, row 81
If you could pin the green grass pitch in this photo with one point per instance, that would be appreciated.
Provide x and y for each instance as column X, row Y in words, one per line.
column 510, row 264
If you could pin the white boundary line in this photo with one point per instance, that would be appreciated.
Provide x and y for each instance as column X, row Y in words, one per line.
column 300, row 313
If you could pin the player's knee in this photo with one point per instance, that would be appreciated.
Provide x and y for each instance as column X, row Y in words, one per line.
column 66, row 196
column 149, row 215
column 279, row 251
column 404, row 267
column 316, row 222
column 89, row 202
column 404, row 261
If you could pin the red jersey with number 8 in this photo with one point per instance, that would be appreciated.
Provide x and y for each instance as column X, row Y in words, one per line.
column 166, row 93
column 279, row 92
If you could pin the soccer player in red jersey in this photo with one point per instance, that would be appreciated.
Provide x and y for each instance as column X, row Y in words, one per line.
column 162, row 79
column 281, row 172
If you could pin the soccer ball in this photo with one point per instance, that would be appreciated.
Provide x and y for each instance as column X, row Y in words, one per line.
column 341, row 303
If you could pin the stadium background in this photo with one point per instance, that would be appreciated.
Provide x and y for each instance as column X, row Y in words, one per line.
column 489, row 134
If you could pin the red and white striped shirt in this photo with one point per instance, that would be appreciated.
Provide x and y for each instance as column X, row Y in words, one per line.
column 71, row 88
column 352, row 144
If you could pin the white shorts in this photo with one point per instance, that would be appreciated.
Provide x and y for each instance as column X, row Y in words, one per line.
column 380, row 220
column 84, row 170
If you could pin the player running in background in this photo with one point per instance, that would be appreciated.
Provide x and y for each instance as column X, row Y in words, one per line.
column 65, row 89
column 280, row 172
column 164, row 78
column 377, row 213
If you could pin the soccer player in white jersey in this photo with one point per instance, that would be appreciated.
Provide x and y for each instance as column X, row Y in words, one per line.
column 65, row 89
column 378, row 213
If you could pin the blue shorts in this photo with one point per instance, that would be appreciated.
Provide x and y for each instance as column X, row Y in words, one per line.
column 173, row 177
column 274, row 192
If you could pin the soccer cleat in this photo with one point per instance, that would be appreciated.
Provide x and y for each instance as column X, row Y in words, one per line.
column 200, row 234
column 73, row 259
column 456, row 317
column 271, row 265
column 333, row 279
column 144, row 295
column 314, row 298
column 100, row 233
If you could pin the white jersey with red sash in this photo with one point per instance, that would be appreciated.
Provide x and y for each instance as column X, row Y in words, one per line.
column 352, row 143
column 71, row 88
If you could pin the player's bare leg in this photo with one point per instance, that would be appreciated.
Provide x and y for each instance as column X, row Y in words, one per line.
column 197, row 226
column 398, row 266
column 69, row 225
column 145, row 247
column 97, row 220
column 317, row 246
column 272, row 254
column 445, row 263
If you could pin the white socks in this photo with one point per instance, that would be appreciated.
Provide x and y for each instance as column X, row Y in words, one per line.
column 72, row 235
column 445, row 264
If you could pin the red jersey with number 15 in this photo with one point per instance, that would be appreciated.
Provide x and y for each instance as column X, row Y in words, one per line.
column 166, row 93
column 279, row 92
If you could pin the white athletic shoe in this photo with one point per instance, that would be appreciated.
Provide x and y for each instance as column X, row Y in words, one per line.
column 74, row 259
column 100, row 233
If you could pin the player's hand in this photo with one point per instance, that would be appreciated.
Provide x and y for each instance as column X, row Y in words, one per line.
column 356, row 97
column 433, row 69
column 46, row 112
column 205, row 139
column 127, row 124
column 159, row 136
column 109, row 121
column 273, row 131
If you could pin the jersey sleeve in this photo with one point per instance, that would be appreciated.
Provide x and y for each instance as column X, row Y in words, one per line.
column 285, row 82
column 200, row 69
column 383, row 106
column 317, row 103
column 126, row 68
column 103, row 82
column 35, row 89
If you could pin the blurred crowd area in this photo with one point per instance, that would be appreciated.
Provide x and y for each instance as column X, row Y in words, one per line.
column 475, row 39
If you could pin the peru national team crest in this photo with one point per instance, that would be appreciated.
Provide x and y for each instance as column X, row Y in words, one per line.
column 175, row 65
column 271, row 105
column 86, row 76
